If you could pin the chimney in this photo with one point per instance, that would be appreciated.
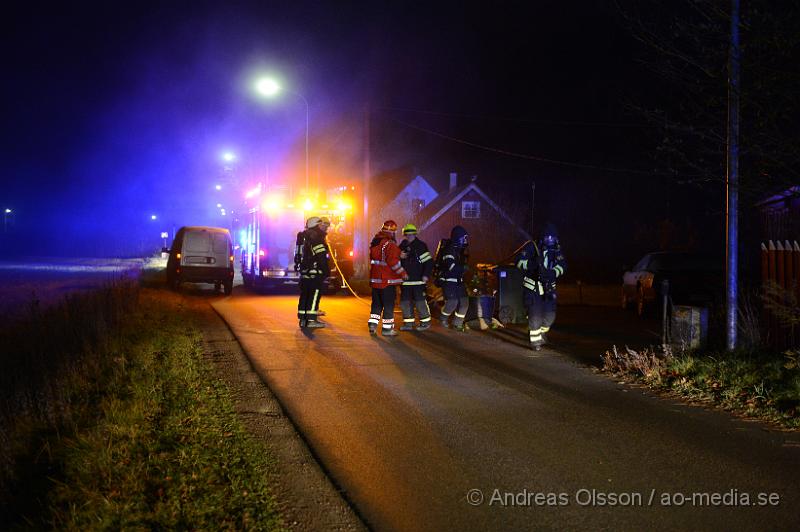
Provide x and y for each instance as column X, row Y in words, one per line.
column 453, row 180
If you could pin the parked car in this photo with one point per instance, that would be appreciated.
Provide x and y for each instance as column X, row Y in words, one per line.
column 693, row 280
column 201, row 255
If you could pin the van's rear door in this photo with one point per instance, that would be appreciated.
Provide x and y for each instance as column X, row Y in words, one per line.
column 221, row 249
column 197, row 249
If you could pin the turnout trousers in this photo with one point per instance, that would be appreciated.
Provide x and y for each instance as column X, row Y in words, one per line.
column 411, row 296
column 541, row 315
column 310, row 293
column 456, row 303
column 382, row 310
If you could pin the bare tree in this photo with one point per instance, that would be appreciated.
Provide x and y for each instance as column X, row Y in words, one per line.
column 686, row 43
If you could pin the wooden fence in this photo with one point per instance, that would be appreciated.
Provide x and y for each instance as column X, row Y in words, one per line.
column 780, row 276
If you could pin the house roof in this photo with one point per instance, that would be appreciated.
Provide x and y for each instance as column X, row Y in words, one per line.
column 445, row 202
column 444, row 199
column 780, row 194
column 385, row 187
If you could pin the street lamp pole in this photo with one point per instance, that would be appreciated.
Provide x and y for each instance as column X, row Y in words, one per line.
column 305, row 102
column 268, row 87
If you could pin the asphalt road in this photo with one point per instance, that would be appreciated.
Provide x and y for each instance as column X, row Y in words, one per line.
column 410, row 427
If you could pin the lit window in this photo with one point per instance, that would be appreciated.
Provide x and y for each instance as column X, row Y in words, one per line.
column 470, row 209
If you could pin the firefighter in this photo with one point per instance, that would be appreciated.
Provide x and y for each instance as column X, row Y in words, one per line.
column 418, row 264
column 541, row 264
column 385, row 274
column 314, row 269
column 451, row 275
column 324, row 224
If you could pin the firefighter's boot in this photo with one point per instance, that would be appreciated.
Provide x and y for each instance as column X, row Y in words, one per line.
column 389, row 332
column 315, row 324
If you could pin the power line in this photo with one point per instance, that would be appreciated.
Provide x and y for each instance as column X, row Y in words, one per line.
column 529, row 157
column 522, row 120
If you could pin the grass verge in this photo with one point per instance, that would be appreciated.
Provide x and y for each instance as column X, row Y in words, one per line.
column 160, row 447
column 762, row 386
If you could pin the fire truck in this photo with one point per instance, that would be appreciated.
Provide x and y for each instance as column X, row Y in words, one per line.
column 272, row 220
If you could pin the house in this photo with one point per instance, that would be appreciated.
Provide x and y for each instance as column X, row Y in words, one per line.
column 399, row 195
column 780, row 215
column 494, row 235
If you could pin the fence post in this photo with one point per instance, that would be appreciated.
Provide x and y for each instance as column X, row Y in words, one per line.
column 665, row 336
column 766, row 324
column 796, row 253
column 790, row 265
column 771, row 256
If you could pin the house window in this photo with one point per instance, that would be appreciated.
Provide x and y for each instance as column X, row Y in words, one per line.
column 470, row 209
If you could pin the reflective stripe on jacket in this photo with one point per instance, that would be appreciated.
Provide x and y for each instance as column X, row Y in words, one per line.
column 418, row 262
column 385, row 268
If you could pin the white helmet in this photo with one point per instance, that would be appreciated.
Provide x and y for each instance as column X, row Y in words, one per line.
column 313, row 222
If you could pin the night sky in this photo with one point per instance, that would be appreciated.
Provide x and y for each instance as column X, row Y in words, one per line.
column 113, row 113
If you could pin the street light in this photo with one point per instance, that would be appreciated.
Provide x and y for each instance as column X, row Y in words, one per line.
column 229, row 156
column 153, row 216
column 5, row 219
column 269, row 87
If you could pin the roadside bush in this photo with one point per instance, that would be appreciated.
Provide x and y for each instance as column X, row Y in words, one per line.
column 647, row 364
column 759, row 385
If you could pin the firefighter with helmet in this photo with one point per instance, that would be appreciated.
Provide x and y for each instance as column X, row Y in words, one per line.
column 418, row 263
column 325, row 224
column 451, row 277
column 386, row 273
column 541, row 264
column 314, row 269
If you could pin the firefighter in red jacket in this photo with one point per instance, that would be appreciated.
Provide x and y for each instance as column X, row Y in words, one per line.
column 385, row 275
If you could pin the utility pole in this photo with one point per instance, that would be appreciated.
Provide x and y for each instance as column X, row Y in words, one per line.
column 361, row 266
column 533, row 209
column 732, row 181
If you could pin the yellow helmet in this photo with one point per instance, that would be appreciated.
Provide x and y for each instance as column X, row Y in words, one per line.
column 410, row 229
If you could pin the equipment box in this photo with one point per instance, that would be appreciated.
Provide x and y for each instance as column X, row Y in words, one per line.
column 689, row 326
column 509, row 306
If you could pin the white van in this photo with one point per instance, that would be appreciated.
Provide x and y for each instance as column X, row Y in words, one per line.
column 201, row 255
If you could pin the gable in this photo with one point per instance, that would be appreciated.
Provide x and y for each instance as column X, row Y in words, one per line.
column 454, row 203
column 418, row 189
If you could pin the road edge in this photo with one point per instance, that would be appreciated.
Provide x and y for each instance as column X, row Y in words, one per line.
column 309, row 499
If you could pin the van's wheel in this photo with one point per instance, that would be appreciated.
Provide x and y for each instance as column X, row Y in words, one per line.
column 228, row 287
column 641, row 306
